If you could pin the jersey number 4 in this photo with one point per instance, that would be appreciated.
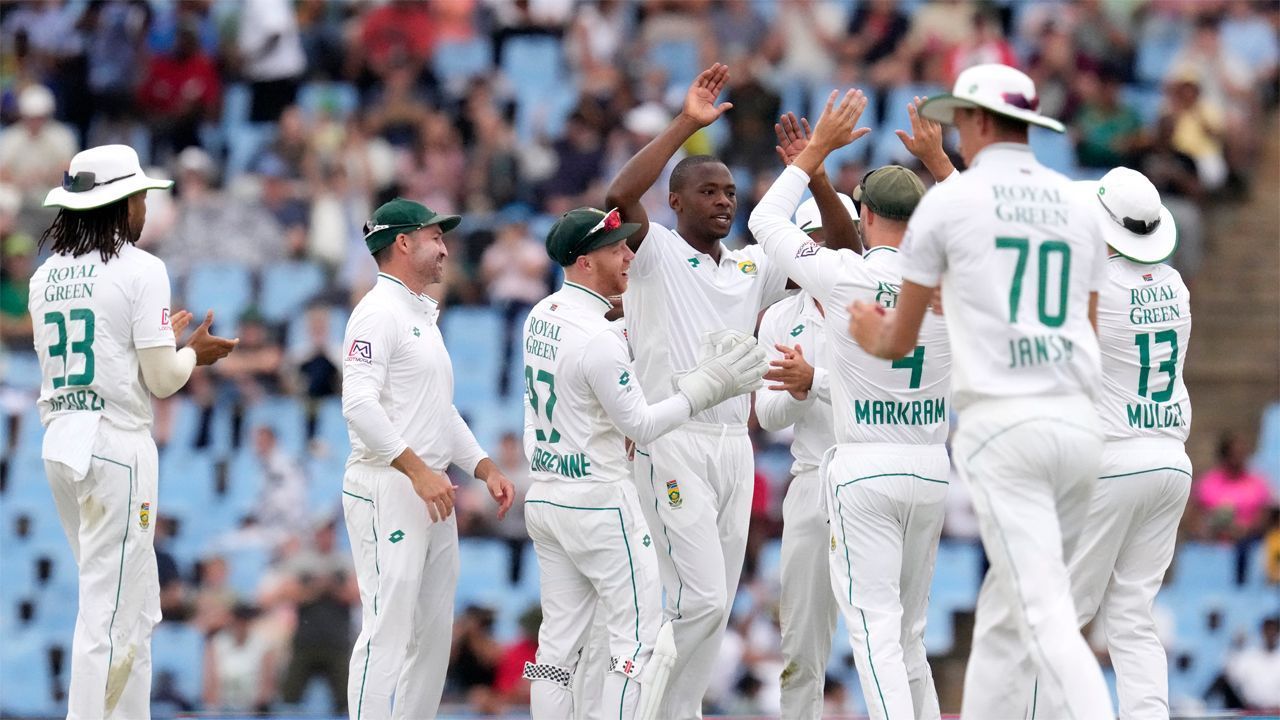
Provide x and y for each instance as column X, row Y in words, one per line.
column 913, row 362
column 547, row 433
column 82, row 347
column 1044, row 256
column 1170, row 366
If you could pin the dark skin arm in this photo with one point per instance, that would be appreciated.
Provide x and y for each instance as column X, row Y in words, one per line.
column 837, row 224
column 642, row 170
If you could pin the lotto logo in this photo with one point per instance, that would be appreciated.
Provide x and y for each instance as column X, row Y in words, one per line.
column 361, row 351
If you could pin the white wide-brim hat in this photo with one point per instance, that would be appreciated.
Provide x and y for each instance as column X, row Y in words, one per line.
column 809, row 219
column 1133, row 220
column 100, row 176
column 999, row 88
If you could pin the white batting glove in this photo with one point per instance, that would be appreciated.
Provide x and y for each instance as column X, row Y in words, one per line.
column 737, row 370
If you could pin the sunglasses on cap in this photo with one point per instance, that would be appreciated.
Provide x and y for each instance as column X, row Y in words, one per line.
column 611, row 221
column 86, row 180
column 1133, row 225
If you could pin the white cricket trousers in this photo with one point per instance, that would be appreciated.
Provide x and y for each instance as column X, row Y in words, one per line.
column 109, row 517
column 1031, row 464
column 595, row 554
column 807, row 609
column 885, row 503
column 407, row 569
column 1121, row 558
column 695, row 485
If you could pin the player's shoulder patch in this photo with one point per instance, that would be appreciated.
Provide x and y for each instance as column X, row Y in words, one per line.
column 360, row 351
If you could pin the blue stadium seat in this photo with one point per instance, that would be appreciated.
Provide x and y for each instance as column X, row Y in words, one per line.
column 331, row 429
column 533, row 64
column 678, row 59
column 457, row 61
column 283, row 414
column 222, row 287
column 247, row 566
column 28, row 685
column 1147, row 101
column 1054, row 150
column 887, row 147
column 1204, row 567
column 30, row 434
column 770, row 568
column 287, row 288
column 332, row 99
column 298, row 341
column 483, row 580
column 856, row 152
column 1157, row 47
column 1267, row 458
column 22, row 370
column 27, row 481
column 178, row 648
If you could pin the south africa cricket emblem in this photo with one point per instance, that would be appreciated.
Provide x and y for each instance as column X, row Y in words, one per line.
column 144, row 516
column 673, row 494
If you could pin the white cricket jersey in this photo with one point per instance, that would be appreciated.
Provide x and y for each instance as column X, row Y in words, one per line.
column 90, row 318
column 1017, row 254
column 1144, row 328
column 397, row 383
column 900, row 401
column 796, row 320
column 677, row 295
column 582, row 396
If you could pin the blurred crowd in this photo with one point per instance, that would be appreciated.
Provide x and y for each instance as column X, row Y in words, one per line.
column 283, row 133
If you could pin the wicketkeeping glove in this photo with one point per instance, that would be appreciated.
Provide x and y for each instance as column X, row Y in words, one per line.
column 737, row 368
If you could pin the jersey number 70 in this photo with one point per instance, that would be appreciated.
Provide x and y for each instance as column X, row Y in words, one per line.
column 1044, row 255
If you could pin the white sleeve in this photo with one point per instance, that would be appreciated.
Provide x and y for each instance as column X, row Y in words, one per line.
column 821, row 385
column 529, row 440
column 150, row 313
column 924, row 249
column 165, row 371
column 467, row 453
column 777, row 409
column 369, row 342
column 791, row 253
column 648, row 257
column 612, row 379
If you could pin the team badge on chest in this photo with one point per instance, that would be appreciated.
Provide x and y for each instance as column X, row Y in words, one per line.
column 673, row 494
column 747, row 267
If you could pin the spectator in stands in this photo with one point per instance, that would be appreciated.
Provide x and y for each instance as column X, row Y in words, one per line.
column 1271, row 547
column 512, row 463
column 179, row 91
column 35, row 151
column 213, row 227
column 1174, row 175
column 805, row 36
column 1252, row 38
column 17, row 261
column 397, row 34
column 579, row 159
column 214, row 597
column 1252, row 671
column 875, row 31
column 270, row 56
column 509, row 684
column 174, row 603
column 494, row 176
column 755, row 109
column 474, row 657
column 1055, row 65
column 316, row 364
column 321, row 583
column 115, row 47
column 514, row 269
column 1227, row 83
column 835, row 698
column 985, row 45
column 283, row 497
column 1194, row 126
column 239, row 666
column 398, row 111
column 1233, row 500
column 1107, row 132
column 280, row 199
column 434, row 173
column 257, row 373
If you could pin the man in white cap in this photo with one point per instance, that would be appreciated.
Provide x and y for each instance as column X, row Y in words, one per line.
column 35, row 151
column 1144, row 328
column 1016, row 252
column 105, row 339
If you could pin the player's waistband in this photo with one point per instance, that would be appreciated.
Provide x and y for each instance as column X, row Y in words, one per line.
column 845, row 449
column 716, row 429
column 1124, row 457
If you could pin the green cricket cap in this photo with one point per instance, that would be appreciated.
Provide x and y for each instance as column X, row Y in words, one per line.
column 402, row 216
column 580, row 231
column 891, row 192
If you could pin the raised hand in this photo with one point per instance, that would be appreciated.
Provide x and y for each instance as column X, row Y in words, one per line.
column 792, row 372
column 925, row 141
column 700, row 102
column 210, row 348
column 836, row 127
column 178, row 322
column 793, row 135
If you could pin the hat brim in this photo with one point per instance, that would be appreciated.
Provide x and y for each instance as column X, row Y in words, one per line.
column 104, row 195
column 1145, row 249
column 942, row 109
column 622, row 232
column 446, row 222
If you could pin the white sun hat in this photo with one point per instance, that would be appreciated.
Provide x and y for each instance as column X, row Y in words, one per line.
column 999, row 88
column 100, row 176
column 809, row 219
column 1134, row 222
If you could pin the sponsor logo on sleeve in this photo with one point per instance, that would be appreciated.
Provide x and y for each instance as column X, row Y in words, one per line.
column 808, row 249
column 361, row 351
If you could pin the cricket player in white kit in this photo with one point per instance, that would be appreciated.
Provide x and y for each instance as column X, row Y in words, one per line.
column 886, row 478
column 695, row 483
column 808, row 608
column 1018, row 257
column 582, row 401
column 1144, row 329
column 105, row 339
column 397, row 397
